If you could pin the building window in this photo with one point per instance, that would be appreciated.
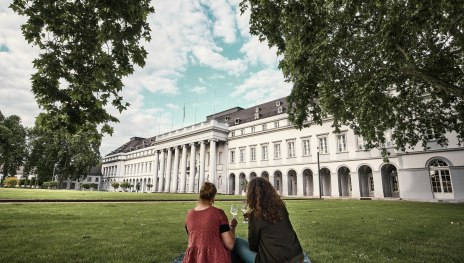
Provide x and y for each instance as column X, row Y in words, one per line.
column 371, row 182
column 89, row 179
column 276, row 124
column 280, row 109
column 256, row 115
column 232, row 134
column 277, row 151
column 440, row 177
column 242, row 155
column 220, row 158
column 360, row 143
column 291, row 149
column 264, row 152
column 253, row 129
column 306, row 147
column 96, row 179
column 232, row 156
column 431, row 136
column 323, row 145
column 264, row 127
column 253, row 154
column 242, row 131
column 341, row 142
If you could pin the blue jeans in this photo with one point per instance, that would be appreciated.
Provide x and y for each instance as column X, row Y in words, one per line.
column 242, row 250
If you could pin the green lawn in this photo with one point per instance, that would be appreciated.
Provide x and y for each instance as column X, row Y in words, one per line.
column 329, row 230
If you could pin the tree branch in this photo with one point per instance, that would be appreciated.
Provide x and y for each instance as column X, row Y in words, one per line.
column 436, row 82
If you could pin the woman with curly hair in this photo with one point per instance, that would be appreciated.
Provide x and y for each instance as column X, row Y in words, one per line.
column 271, row 238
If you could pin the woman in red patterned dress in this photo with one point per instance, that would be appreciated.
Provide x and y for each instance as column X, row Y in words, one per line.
column 210, row 236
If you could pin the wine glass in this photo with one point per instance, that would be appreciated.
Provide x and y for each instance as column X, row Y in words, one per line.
column 233, row 210
column 244, row 209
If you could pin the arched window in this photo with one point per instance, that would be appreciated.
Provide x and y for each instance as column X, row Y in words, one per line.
column 440, row 176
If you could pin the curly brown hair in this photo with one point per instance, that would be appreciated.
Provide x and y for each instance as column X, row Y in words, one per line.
column 263, row 200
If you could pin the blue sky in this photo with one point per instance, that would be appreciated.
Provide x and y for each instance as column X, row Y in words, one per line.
column 201, row 56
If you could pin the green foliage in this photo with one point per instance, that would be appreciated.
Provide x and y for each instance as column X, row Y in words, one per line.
column 93, row 186
column 10, row 182
column 371, row 65
column 85, row 186
column 87, row 47
column 12, row 144
column 125, row 185
column 115, row 185
column 61, row 153
column 50, row 184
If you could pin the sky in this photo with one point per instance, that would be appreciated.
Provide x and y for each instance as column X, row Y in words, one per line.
column 201, row 57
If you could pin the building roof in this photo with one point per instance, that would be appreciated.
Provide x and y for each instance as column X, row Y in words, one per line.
column 96, row 170
column 233, row 116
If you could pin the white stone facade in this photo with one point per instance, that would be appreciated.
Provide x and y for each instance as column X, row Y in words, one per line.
column 265, row 144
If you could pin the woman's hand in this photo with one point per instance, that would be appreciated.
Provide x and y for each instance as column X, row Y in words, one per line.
column 233, row 223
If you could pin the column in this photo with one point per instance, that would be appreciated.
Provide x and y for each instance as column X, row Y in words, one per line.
column 175, row 174
column 335, row 188
column 202, row 164
column 212, row 161
column 378, row 186
column 183, row 169
column 284, row 184
column 167, row 183
column 161, row 173
column 192, row 168
column 237, row 185
column 317, row 184
column 155, row 172
column 299, row 183
column 355, row 192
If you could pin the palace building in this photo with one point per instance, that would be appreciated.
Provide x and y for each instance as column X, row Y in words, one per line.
column 236, row 145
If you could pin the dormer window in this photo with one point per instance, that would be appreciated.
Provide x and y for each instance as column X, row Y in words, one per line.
column 237, row 120
column 278, row 103
column 227, row 118
column 256, row 115
column 257, row 109
column 280, row 109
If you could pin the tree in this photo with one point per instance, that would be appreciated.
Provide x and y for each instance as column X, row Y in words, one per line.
column 125, row 185
column 115, row 185
column 61, row 153
column 372, row 65
column 87, row 47
column 12, row 144
column 10, row 182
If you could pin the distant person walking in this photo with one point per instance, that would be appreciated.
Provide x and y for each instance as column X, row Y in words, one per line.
column 210, row 236
column 271, row 238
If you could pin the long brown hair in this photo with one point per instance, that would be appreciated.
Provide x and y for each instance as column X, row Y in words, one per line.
column 263, row 200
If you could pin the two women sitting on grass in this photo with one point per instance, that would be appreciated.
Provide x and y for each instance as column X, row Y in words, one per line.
column 271, row 238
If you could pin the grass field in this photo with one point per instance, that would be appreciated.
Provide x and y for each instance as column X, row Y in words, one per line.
column 329, row 230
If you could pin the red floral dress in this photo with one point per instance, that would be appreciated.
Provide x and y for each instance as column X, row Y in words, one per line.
column 204, row 230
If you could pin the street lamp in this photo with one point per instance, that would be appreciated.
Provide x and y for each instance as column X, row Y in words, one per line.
column 54, row 168
column 319, row 174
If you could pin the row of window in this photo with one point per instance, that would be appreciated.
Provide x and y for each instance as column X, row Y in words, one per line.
column 253, row 129
column 291, row 151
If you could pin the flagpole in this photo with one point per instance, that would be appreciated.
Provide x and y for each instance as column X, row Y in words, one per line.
column 183, row 116
column 196, row 107
column 159, row 124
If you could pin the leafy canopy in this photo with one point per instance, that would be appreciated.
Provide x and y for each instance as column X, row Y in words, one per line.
column 87, row 47
column 372, row 65
column 12, row 144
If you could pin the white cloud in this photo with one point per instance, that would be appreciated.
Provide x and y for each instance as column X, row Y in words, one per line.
column 265, row 85
column 258, row 52
column 172, row 106
column 215, row 60
column 198, row 90
column 224, row 23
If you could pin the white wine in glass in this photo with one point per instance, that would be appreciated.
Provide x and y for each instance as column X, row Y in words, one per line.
column 233, row 210
column 244, row 209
